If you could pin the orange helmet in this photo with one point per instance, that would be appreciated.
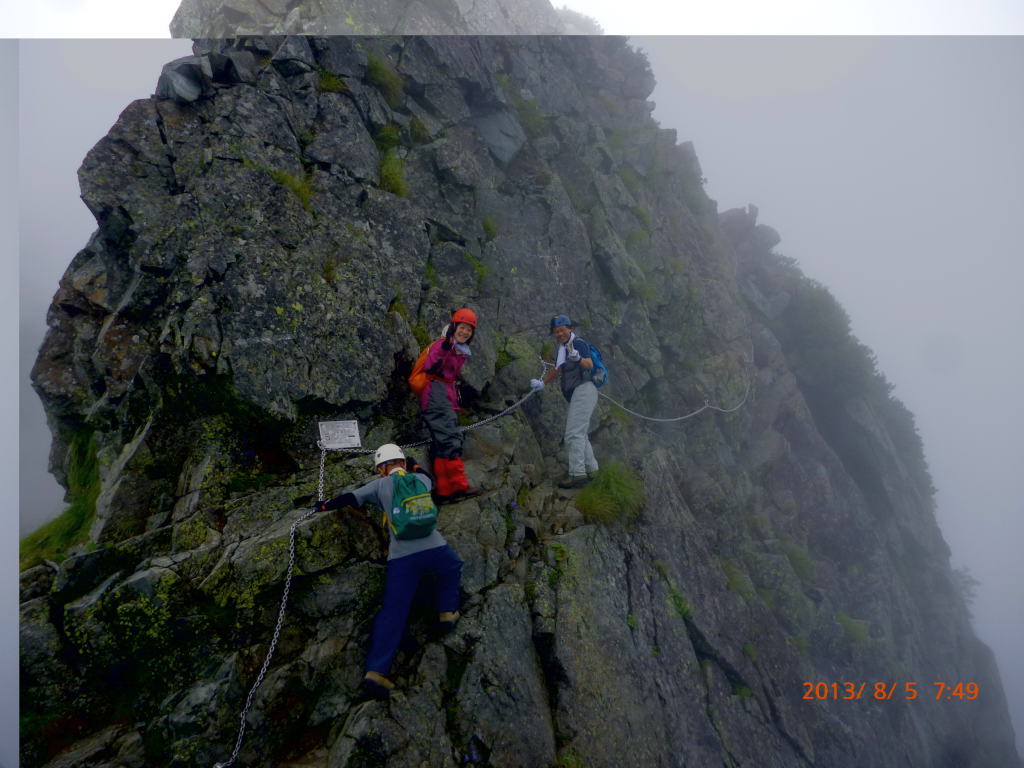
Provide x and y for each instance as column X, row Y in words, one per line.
column 467, row 316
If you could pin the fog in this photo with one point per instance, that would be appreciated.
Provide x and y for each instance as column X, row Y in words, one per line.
column 890, row 167
column 130, row 18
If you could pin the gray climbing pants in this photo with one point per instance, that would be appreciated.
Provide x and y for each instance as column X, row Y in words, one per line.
column 577, row 423
column 443, row 423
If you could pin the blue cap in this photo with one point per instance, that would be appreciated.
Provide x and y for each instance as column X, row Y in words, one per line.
column 558, row 320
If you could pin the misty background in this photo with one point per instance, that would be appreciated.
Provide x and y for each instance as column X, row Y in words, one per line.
column 130, row 18
column 890, row 167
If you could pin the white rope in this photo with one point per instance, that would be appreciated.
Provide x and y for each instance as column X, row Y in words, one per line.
column 705, row 407
column 488, row 420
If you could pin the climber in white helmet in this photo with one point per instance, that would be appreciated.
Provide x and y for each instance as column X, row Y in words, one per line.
column 416, row 548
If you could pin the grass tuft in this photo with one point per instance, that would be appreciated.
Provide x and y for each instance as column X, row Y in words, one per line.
column 52, row 540
column 490, row 228
column 680, row 603
column 418, row 131
column 387, row 138
column 615, row 494
column 535, row 123
column 330, row 82
column 381, row 74
column 479, row 267
column 629, row 178
column 750, row 651
column 798, row 558
column 298, row 184
column 852, row 628
column 392, row 170
column 422, row 335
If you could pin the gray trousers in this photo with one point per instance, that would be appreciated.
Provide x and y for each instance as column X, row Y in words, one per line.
column 577, row 423
column 443, row 423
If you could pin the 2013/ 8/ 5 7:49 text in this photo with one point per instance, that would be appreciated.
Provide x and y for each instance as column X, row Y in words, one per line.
column 848, row 691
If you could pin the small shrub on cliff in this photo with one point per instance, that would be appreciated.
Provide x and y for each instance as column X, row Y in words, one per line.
column 52, row 540
column 392, row 172
column 616, row 494
column 694, row 196
column 297, row 184
column 330, row 82
column 629, row 178
column 798, row 558
column 418, row 131
column 490, row 228
column 534, row 122
column 852, row 628
column 381, row 74
column 422, row 335
column 387, row 138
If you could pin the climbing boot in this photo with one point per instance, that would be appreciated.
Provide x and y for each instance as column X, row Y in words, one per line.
column 468, row 493
column 447, row 622
column 376, row 686
column 574, row 481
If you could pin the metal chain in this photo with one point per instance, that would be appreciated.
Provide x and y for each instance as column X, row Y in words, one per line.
column 273, row 642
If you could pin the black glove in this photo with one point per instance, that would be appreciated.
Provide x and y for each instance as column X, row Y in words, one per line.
column 345, row 500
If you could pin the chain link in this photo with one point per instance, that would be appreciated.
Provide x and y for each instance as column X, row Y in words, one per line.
column 273, row 642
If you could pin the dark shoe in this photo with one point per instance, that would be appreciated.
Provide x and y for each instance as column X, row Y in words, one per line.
column 439, row 499
column 444, row 627
column 468, row 493
column 574, row 481
column 375, row 690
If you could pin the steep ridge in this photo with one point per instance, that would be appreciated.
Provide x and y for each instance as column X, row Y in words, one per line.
column 280, row 228
column 217, row 19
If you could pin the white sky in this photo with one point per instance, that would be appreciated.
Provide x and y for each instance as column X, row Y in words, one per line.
column 150, row 18
column 890, row 167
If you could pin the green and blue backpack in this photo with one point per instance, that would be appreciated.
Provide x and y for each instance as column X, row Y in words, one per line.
column 413, row 514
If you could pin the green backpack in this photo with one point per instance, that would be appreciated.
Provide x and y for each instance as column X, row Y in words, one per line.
column 413, row 514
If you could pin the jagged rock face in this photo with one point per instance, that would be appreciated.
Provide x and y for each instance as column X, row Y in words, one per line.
column 216, row 19
column 252, row 273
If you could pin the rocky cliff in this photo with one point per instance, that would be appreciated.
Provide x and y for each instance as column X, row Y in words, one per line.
column 216, row 18
column 280, row 228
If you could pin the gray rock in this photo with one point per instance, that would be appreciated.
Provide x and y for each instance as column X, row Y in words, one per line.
column 501, row 133
column 181, row 80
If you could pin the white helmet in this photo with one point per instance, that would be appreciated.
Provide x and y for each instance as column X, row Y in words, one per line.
column 387, row 452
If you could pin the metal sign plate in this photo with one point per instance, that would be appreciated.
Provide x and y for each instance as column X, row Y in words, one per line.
column 336, row 435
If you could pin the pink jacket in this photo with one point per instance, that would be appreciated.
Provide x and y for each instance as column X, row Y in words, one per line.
column 451, row 366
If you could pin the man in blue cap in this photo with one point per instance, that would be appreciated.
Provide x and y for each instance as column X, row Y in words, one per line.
column 576, row 365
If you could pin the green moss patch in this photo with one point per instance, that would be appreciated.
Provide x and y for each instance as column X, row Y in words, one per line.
column 52, row 540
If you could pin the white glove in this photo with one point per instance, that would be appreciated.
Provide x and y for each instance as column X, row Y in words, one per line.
column 536, row 385
column 574, row 354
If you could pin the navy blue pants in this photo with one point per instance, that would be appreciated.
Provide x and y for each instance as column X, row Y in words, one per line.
column 403, row 578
